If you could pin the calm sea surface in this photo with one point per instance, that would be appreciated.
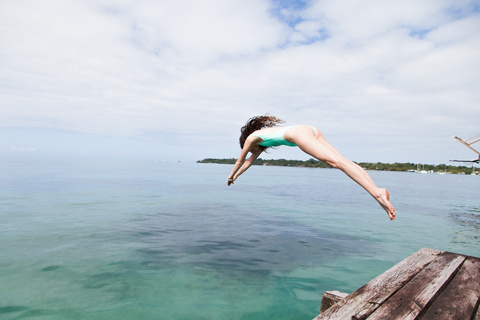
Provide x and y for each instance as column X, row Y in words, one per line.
column 152, row 240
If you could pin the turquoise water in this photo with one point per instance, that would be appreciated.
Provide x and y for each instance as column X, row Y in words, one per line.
column 152, row 240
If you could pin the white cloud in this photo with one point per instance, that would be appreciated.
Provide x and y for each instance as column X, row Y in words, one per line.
column 202, row 31
column 188, row 71
column 22, row 149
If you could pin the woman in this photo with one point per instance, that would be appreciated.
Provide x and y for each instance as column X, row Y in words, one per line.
column 262, row 132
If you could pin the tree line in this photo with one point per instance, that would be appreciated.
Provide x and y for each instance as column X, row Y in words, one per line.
column 313, row 163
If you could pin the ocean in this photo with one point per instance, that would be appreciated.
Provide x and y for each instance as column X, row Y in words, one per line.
column 97, row 239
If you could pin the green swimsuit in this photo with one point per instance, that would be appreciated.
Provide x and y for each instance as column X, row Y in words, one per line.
column 276, row 138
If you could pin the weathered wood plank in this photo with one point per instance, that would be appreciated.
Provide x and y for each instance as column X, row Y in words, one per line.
column 410, row 301
column 329, row 298
column 460, row 299
column 365, row 300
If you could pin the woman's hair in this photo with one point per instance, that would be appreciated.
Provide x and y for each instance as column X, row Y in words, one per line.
column 257, row 123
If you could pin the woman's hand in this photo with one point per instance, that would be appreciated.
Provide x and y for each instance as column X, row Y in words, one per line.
column 229, row 181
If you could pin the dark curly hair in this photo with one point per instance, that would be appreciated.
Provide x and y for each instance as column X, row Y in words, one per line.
column 257, row 123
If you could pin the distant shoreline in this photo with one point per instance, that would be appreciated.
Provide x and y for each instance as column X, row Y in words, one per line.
column 378, row 166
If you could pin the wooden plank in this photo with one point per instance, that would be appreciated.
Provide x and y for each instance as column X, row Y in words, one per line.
column 460, row 299
column 365, row 300
column 329, row 298
column 411, row 300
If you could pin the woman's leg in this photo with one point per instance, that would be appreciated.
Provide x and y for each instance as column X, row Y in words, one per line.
column 320, row 148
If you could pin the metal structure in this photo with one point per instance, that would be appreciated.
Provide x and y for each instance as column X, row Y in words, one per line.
column 468, row 144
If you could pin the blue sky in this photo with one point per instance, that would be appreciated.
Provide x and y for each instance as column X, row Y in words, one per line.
column 175, row 80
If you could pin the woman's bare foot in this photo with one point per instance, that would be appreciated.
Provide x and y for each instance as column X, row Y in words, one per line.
column 384, row 200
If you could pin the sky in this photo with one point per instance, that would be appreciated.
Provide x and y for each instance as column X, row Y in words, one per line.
column 174, row 80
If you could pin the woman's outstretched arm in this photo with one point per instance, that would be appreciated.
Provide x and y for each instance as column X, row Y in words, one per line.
column 241, row 165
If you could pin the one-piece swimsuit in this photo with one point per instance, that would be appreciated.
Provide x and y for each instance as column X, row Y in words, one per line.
column 276, row 138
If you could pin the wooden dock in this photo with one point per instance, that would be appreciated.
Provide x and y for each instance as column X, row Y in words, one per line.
column 428, row 285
